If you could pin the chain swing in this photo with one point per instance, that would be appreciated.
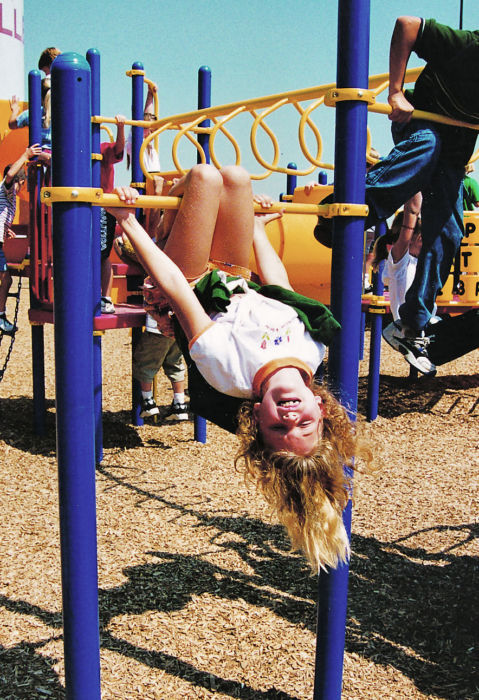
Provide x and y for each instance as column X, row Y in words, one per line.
column 12, row 337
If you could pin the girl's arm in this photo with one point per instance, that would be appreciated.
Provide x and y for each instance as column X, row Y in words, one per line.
column 271, row 269
column 163, row 271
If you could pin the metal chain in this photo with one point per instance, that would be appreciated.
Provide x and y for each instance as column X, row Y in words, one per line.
column 12, row 337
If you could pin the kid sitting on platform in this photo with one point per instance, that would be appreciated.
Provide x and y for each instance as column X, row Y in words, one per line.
column 13, row 180
column 262, row 345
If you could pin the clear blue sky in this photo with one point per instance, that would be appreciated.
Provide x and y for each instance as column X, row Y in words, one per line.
column 253, row 48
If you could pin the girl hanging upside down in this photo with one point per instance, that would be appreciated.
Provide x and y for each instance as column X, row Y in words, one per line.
column 260, row 344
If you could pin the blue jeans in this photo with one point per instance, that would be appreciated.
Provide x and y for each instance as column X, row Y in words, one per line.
column 415, row 165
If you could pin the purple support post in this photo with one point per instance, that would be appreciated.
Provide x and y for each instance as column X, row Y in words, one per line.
column 93, row 58
column 37, row 332
column 346, row 288
column 375, row 340
column 137, row 88
column 71, row 167
column 204, row 100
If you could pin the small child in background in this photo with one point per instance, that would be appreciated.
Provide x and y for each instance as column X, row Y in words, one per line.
column 111, row 153
column 151, row 158
column 400, row 261
column 46, row 59
column 13, row 180
column 153, row 352
column 156, row 350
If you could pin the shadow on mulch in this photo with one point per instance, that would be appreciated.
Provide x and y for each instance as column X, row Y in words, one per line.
column 417, row 611
column 399, row 395
column 409, row 608
column 17, row 420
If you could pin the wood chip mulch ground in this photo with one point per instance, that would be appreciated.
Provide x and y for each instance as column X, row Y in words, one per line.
column 199, row 594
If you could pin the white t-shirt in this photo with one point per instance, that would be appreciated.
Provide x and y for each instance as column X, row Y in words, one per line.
column 398, row 277
column 253, row 332
column 151, row 159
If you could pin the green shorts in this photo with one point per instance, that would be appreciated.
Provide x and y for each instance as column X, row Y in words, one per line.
column 155, row 351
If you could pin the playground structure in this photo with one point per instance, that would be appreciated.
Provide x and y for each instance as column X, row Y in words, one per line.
column 72, row 210
column 308, row 262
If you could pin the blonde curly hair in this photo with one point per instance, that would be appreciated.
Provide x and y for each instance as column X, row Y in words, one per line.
column 307, row 492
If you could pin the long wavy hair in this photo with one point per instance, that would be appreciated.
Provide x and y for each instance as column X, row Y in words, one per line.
column 307, row 492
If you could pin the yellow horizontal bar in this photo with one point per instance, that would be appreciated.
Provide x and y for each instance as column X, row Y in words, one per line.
column 51, row 195
column 92, row 195
column 382, row 108
column 292, row 96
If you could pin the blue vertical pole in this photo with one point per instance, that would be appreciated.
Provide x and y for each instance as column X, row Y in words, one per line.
column 137, row 88
column 71, row 167
column 35, row 107
column 204, row 101
column 93, row 58
column 375, row 340
column 291, row 179
column 346, row 287
column 37, row 331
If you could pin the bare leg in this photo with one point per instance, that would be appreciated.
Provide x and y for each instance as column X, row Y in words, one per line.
column 189, row 242
column 233, row 235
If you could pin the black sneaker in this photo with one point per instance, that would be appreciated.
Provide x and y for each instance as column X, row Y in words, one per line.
column 414, row 349
column 148, row 408
column 177, row 411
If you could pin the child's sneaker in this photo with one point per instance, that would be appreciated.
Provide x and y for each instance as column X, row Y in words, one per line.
column 414, row 349
column 7, row 327
column 177, row 411
column 148, row 408
column 107, row 306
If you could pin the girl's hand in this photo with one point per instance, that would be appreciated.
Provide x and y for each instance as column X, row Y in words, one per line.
column 128, row 195
column 262, row 218
column 263, row 200
column 9, row 233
